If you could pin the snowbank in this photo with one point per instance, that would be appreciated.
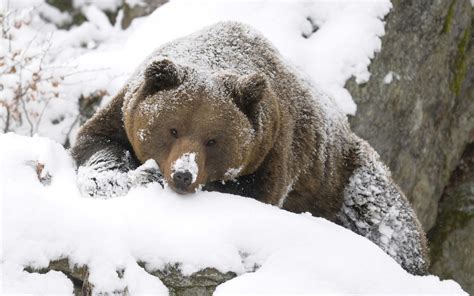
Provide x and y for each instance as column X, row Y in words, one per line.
column 330, row 40
column 295, row 253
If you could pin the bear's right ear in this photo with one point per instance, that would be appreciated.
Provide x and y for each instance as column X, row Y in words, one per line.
column 249, row 91
column 161, row 75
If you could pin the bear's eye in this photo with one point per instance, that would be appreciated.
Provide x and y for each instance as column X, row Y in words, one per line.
column 210, row 142
column 174, row 133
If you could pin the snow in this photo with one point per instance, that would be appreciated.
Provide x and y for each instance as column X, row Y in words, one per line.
column 110, row 5
column 388, row 78
column 340, row 39
column 375, row 208
column 101, row 177
column 186, row 163
column 347, row 37
column 232, row 173
column 294, row 253
column 40, row 83
column 330, row 41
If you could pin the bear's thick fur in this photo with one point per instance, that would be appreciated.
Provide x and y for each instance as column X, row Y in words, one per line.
column 222, row 110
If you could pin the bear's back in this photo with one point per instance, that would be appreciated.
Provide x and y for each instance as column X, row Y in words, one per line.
column 240, row 49
column 225, row 46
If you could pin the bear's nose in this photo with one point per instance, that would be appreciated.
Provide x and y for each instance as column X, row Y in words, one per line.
column 182, row 180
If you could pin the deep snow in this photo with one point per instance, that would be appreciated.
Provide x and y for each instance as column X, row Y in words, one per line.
column 330, row 41
column 296, row 253
column 342, row 37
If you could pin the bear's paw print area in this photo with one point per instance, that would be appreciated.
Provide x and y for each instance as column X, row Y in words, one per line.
column 153, row 240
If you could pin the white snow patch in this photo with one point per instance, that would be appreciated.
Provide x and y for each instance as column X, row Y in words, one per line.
column 96, row 57
column 232, row 173
column 296, row 253
column 346, row 37
column 389, row 77
column 186, row 163
column 282, row 200
column 142, row 134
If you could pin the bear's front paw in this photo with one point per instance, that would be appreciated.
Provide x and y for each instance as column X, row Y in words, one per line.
column 148, row 172
column 102, row 184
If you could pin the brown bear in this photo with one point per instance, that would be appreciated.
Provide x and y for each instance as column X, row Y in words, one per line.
column 221, row 110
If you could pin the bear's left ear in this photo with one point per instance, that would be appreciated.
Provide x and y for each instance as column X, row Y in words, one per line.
column 161, row 75
column 249, row 91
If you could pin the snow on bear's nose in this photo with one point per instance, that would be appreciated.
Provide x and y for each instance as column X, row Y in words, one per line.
column 184, row 170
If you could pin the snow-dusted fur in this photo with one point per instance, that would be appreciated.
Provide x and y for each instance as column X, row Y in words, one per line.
column 375, row 207
column 293, row 146
column 105, row 176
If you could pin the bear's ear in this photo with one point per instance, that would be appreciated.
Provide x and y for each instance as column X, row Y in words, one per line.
column 249, row 90
column 161, row 75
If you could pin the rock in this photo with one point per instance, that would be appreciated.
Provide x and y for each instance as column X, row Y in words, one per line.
column 144, row 7
column 88, row 105
column 77, row 274
column 452, row 239
column 417, row 109
column 201, row 283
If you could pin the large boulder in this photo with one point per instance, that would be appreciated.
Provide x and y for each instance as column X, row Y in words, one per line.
column 417, row 110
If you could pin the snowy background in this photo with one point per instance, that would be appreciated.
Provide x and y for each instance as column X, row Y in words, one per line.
column 47, row 67
column 45, row 70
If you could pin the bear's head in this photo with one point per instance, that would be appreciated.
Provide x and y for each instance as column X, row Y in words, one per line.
column 200, row 127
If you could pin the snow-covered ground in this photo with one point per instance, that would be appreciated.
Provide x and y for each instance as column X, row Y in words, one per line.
column 50, row 67
column 295, row 253
column 329, row 40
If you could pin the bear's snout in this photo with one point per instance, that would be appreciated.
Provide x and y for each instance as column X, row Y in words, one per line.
column 185, row 172
column 182, row 180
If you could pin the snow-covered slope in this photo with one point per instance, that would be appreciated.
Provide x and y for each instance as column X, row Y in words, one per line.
column 296, row 253
column 330, row 40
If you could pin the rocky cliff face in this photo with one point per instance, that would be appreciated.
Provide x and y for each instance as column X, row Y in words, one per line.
column 420, row 122
column 417, row 110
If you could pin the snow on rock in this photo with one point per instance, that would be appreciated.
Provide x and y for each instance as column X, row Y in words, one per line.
column 330, row 41
column 389, row 77
column 295, row 253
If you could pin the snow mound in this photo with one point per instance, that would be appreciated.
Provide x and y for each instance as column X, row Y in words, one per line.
column 294, row 253
column 331, row 41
